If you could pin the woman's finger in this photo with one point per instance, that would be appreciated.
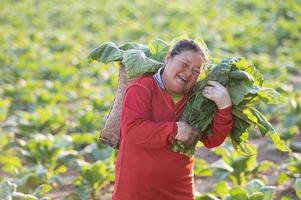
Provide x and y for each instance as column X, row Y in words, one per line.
column 207, row 95
column 213, row 83
column 209, row 88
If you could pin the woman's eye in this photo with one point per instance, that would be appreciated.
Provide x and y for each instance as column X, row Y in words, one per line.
column 196, row 72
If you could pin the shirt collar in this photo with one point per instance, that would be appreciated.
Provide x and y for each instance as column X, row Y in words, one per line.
column 158, row 78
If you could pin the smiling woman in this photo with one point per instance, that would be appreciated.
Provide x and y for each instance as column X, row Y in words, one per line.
column 182, row 72
column 146, row 167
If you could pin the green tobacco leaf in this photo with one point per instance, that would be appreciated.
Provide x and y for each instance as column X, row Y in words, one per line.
column 238, row 193
column 240, row 126
column 267, row 128
column 207, row 197
column 248, row 113
column 42, row 189
column 298, row 187
column 246, row 149
column 135, row 45
column 241, row 75
column 95, row 174
column 9, row 162
column 238, row 90
column 137, row 63
column 4, row 107
column 280, row 144
column 83, row 192
column 6, row 190
column 256, row 196
column 220, row 71
column 221, row 188
column 201, row 168
column 158, row 49
column 243, row 65
column 265, row 125
column 282, row 177
column 264, row 166
column 28, row 181
column 268, row 192
column 270, row 96
column 243, row 163
column 221, row 169
column 107, row 52
column 21, row 196
column 254, row 186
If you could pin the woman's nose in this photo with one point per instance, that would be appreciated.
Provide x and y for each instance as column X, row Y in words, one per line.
column 188, row 72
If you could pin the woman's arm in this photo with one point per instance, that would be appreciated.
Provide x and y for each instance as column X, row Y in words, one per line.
column 220, row 128
column 136, row 124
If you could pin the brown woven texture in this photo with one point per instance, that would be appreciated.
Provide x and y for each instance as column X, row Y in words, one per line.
column 110, row 132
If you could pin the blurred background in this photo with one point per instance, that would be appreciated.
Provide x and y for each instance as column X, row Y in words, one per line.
column 53, row 102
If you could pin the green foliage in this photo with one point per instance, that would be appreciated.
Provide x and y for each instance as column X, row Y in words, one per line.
column 253, row 190
column 234, row 168
column 8, row 191
column 48, row 88
column 244, row 83
column 298, row 187
column 137, row 58
column 92, row 178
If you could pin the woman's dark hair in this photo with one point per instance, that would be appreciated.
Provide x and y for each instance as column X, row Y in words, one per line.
column 188, row 44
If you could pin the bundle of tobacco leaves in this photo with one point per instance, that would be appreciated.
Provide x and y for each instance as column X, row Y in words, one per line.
column 244, row 84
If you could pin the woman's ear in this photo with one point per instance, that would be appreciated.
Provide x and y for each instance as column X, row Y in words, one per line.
column 167, row 57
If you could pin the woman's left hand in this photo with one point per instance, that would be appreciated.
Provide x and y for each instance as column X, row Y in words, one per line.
column 217, row 93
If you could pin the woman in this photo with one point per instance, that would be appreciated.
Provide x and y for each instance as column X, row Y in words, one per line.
column 146, row 167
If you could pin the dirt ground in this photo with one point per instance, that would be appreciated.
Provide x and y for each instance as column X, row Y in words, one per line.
column 203, row 185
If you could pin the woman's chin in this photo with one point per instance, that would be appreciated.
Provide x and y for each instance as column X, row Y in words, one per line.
column 178, row 91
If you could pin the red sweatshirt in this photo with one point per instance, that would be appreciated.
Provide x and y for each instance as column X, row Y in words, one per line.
column 146, row 167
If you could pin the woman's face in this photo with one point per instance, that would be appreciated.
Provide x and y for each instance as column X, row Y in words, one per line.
column 182, row 71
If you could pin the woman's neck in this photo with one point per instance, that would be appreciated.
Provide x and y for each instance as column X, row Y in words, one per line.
column 175, row 97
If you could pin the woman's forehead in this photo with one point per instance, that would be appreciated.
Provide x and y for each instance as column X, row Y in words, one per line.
column 190, row 57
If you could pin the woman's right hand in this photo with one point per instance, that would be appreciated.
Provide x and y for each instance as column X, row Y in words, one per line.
column 186, row 133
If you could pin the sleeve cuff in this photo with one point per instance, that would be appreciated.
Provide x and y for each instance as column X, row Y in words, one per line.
column 225, row 111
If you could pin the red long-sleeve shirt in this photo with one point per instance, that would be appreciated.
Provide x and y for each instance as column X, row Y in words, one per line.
column 146, row 167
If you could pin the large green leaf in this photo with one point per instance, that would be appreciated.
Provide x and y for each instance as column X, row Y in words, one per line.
column 137, row 63
column 298, row 187
column 270, row 96
column 107, row 52
column 243, row 65
column 254, row 186
column 267, row 128
column 158, row 49
column 134, row 45
column 238, row 90
column 238, row 193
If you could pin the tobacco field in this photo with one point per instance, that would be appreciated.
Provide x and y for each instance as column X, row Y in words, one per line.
column 53, row 102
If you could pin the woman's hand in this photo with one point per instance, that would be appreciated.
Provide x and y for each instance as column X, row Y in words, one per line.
column 217, row 93
column 186, row 133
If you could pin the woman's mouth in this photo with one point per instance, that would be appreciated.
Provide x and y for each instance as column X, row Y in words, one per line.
column 182, row 79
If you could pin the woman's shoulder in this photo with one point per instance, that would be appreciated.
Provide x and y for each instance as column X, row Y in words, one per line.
column 145, row 80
